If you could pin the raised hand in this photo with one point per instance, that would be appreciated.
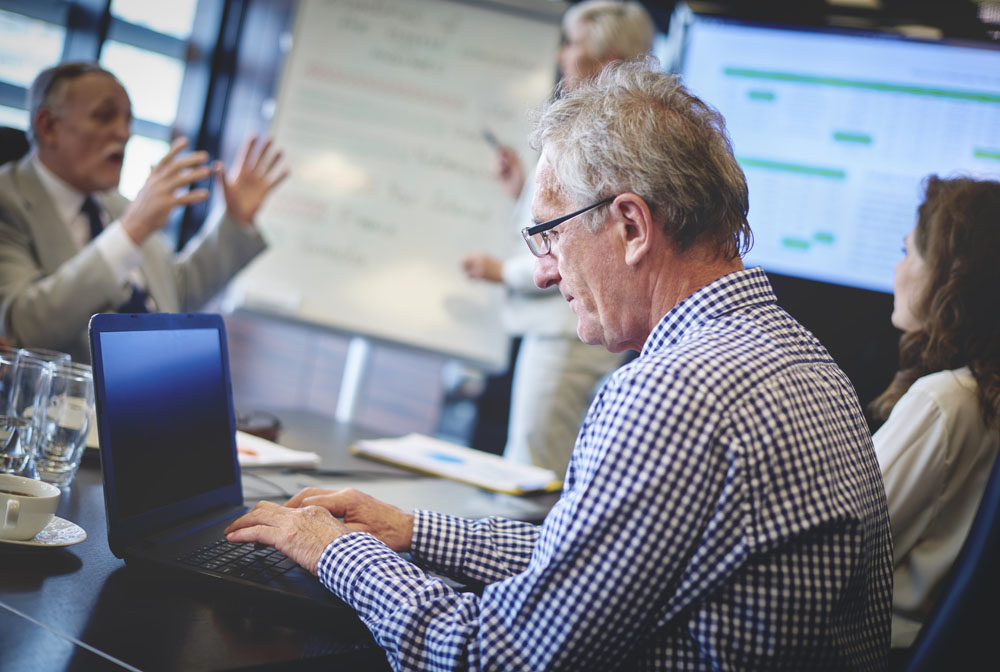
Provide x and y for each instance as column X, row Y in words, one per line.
column 482, row 266
column 254, row 175
column 161, row 193
column 509, row 171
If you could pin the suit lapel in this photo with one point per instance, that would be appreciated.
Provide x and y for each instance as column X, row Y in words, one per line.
column 53, row 244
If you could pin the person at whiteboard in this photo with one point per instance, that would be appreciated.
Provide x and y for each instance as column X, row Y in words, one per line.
column 554, row 374
column 72, row 246
column 942, row 410
column 723, row 507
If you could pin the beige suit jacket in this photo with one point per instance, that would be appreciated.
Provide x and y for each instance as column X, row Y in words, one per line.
column 49, row 289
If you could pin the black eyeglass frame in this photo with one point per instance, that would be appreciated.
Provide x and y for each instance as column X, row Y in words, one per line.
column 529, row 232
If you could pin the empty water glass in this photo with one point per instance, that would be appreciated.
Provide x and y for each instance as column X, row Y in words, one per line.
column 13, row 454
column 24, row 389
column 66, row 423
column 47, row 355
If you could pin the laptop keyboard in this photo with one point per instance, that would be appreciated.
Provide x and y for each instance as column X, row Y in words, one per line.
column 245, row 561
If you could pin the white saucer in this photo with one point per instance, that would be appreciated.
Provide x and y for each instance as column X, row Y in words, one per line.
column 59, row 532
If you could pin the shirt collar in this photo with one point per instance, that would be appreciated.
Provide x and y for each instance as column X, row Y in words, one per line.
column 66, row 199
column 730, row 292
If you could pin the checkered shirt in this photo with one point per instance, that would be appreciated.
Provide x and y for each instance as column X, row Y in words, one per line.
column 723, row 510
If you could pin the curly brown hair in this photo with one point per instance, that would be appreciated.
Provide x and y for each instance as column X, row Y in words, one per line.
column 958, row 236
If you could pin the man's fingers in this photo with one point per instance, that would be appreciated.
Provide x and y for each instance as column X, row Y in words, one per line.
column 193, row 196
column 187, row 177
column 296, row 501
column 182, row 163
column 268, row 141
column 263, row 534
column 335, row 503
column 264, row 510
column 176, row 147
column 279, row 179
column 273, row 161
column 241, row 158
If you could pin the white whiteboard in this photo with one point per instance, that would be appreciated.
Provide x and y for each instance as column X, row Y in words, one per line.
column 381, row 114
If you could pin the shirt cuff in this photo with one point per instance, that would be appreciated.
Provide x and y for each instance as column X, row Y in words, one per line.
column 121, row 254
column 438, row 540
column 372, row 578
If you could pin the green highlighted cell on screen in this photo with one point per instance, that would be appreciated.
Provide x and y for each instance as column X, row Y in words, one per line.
column 824, row 237
column 795, row 243
column 760, row 95
column 802, row 169
column 858, row 138
column 987, row 154
column 886, row 87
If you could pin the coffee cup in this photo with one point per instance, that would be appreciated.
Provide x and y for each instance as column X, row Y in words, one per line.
column 26, row 506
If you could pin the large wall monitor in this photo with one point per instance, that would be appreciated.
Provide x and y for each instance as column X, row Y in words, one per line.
column 836, row 130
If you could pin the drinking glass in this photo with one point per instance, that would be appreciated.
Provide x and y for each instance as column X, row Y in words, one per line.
column 46, row 355
column 66, row 423
column 24, row 389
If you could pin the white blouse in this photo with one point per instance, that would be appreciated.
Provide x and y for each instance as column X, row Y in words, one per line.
column 935, row 454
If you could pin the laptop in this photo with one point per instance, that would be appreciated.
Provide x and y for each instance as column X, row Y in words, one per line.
column 168, row 454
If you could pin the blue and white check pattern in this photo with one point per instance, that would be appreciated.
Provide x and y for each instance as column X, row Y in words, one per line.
column 723, row 510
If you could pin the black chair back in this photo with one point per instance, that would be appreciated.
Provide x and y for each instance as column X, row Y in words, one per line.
column 13, row 144
column 962, row 632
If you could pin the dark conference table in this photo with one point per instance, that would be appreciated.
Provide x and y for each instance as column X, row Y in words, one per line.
column 80, row 608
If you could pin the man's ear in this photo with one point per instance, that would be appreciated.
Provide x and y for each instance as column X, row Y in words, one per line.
column 636, row 228
column 44, row 127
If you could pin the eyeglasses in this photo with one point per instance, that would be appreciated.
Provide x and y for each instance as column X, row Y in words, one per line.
column 537, row 236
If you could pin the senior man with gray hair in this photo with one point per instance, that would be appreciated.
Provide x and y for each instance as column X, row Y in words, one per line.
column 723, row 508
column 71, row 245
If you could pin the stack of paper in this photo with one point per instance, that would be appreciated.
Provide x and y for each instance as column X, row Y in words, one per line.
column 254, row 451
column 440, row 458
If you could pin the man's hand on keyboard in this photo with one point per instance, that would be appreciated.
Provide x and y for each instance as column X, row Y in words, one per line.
column 301, row 533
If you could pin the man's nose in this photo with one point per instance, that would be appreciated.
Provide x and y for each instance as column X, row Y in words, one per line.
column 123, row 129
column 546, row 271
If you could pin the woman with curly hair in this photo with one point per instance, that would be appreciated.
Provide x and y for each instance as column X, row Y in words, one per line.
column 942, row 410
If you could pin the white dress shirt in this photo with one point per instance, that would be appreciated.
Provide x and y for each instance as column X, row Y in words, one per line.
column 935, row 454
column 121, row 254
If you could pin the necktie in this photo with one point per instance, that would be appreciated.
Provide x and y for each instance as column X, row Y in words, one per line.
column 137, row 301
column 93, row 212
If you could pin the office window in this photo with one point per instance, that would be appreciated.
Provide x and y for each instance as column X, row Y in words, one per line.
column 153, row 81
column 11, row 116
column 174, row 18
column 147, row 49
column 140, row 153
column 27, row 46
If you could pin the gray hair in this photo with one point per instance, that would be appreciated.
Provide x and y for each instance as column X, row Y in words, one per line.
column 622, row 28
column 632, row 129
column 50, row 85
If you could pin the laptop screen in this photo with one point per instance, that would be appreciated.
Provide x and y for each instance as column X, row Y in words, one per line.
column 165, row 417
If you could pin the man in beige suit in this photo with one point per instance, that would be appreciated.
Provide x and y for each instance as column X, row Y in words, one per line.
column 72, row 246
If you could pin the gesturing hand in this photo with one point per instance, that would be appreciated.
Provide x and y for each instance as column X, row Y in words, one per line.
column 254, row 175
column 160, row 194
column 482, row 266
column 509, row 171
